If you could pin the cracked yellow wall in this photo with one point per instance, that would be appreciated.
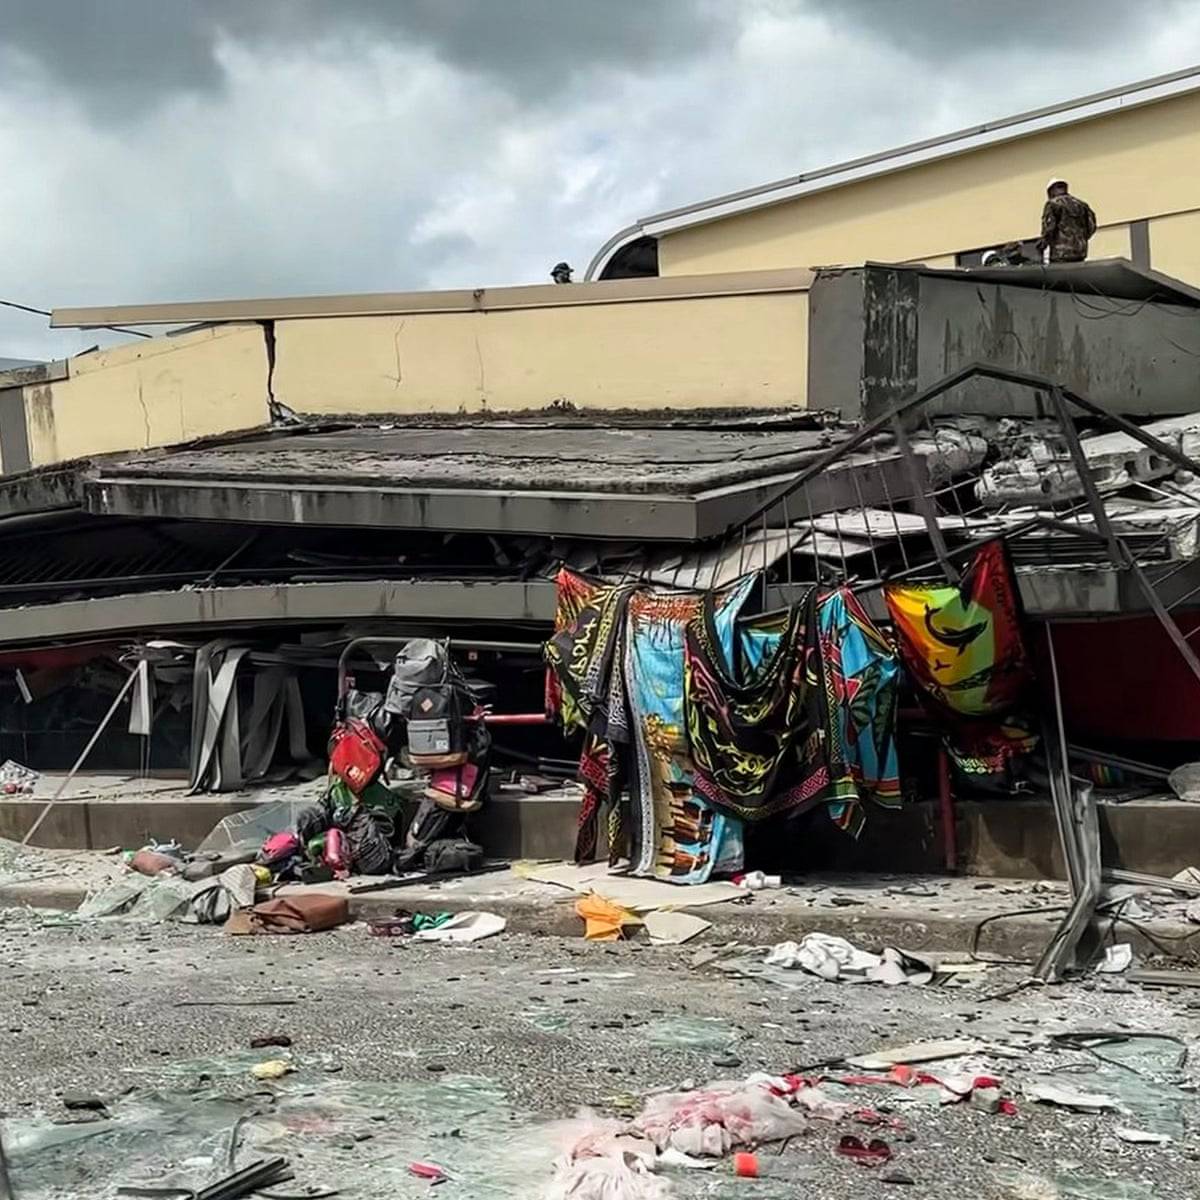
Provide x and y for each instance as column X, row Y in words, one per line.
column 157, row 392
column 1132, row 165
column 723, row 351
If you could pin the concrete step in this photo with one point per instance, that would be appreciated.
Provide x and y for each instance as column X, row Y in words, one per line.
column 1005, row 919
column 999, row 838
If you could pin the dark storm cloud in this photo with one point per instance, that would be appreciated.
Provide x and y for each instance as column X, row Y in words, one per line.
column 123, row 55
column 1027, row 29
column 175, row 149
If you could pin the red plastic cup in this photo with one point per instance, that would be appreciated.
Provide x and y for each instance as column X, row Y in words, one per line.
column 745, row 1165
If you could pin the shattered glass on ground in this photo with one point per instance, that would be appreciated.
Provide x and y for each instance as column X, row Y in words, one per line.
column 353, row 1135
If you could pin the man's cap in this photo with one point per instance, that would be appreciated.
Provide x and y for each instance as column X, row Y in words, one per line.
column 1053, row 180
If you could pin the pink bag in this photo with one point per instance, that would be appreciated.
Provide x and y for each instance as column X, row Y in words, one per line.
column 453, row 788
column 278, row 848
column 337, row 854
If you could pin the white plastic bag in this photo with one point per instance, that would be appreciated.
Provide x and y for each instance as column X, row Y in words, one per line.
column 710, row 1121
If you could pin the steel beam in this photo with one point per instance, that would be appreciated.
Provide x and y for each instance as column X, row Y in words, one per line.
column 435, row 603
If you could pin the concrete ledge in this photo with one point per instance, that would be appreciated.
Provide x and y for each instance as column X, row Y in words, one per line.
column 102, row 824
column 1015, row 839
column 947, row 923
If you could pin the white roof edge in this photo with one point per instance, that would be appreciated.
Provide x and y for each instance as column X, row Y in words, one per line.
column 1084, row 108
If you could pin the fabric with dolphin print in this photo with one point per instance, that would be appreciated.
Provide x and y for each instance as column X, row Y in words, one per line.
column 962, row 644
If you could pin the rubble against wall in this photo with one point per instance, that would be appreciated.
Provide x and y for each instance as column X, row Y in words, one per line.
column 1036, row 468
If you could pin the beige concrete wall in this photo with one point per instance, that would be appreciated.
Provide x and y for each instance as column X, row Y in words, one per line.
column 152, row 393
column 718, row 351
column 1128, row 166
column 1110, row 241
column 1175, row 245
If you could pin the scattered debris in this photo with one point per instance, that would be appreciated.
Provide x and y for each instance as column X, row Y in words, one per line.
column 704, row 1033
column 868, row 1154
column 1141, row 1137
column 1188, row 979
column 151, row 862
column 430, row 1171
column 273, row 1068
column 248, row 1181
column 830, row 957
column 464, row 927
column 1116, row 959
column 673, row 928
column 745, row 1165
column 1063, row 1095
column 757, row 881
column 1184, row 781
column 634, row 893
column 604, row 920
column 270, row 1039
column 712, row 1120
column 16, row 780
column 917, row 1052
column 165, row 895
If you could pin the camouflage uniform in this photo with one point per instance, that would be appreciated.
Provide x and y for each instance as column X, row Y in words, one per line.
column 1067, row 223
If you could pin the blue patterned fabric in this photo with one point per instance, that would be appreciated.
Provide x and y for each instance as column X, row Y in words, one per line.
column 677, row 835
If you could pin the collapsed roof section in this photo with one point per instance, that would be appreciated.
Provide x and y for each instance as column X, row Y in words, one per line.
column 668, row 483
column 437, row 525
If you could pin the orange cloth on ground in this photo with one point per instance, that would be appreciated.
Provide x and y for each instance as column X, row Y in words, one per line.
column 605, row 920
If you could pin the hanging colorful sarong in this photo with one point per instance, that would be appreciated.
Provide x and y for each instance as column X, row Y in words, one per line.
column 962, row 645
column 677, row 834
column 717, row 724
column 585, row 690
column 753, row 739
column 588, row 628
column 860, row 674
column 963, row 648
column 810, row 719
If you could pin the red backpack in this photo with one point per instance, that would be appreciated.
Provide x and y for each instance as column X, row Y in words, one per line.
column 356, row 754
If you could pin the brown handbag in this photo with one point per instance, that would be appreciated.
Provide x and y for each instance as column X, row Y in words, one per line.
column 304, row 913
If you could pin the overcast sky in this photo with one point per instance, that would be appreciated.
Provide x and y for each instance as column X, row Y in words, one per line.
column 180, row 149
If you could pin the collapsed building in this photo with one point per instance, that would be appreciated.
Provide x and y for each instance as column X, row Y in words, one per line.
column 227, row 526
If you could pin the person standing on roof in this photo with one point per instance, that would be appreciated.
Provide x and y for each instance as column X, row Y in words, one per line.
column 1067, row 224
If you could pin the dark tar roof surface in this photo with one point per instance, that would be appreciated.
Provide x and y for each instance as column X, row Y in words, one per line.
column 571, row 457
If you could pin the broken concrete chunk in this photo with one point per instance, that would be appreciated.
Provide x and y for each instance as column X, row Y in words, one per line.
column 1141, row 1137
column 1065, row 1095
column 1040, row 469
column 917, row 1052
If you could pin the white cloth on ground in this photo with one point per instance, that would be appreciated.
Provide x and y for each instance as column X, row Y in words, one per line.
column 465, row 927
column 830, row 957
column 603, row 1162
